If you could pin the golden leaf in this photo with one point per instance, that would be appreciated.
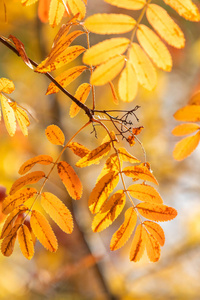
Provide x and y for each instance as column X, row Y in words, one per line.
column 128, row 4
column 145, row 193
column 94, row 156
column 139, row 172
column 70, row 180
column 6, row 86
column 126, row 156
column 56, row 12
column 65, row 78
column 18, row 198
column 55, row 135
column 22, row 118
column 78, row 149
column 121, row 236
column 128, row 84
column 77, row 7
column 101, row 191
column 186, row 146
column 186, row 9
column 156, row 212
column 152, row 247
column 8, row 243
column 137, row 130
column 109, row 212
column 114, row 94
column 145, row 71
column 25, row 241
column 111, row 165
column 156, row 230
column 105, row 50
column 184, row 129
column 109, row 23
column 138, row 244
column 9, row 115
column 81, row 94
column 43, row 231
column 190, row 113
column 154, row 47
column 108, row 70
column 28, row 2
column 165, row 26
column 30, row 163
column 57, row 211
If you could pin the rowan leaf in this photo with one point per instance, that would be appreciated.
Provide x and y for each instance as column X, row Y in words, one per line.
column 145, row 193
column 22, row 117
column 152, row 247
column 70, row 180
column 156, row 230
column 121, row 236
column 101, row 191
column 30, row 178
column 43, row 10
column 109, row 212
column 109, row 23
column 55, row 135
column 111, row 165
column 138, row 244
column 188, row 113
column 78, row 149
column 43, row 231
column 156, row 212
column 30, row 163
column 6, row 86
column 81, row 94
column 184, row 129
column 145, row 71
column 57, row 211
column 28, row 2
column 154, row 47
column 65, row 78
column 77, row 7
column 128, row 84
column 139, row 172
column 108, row 70
column 8, row 243
column 187, row 9
column 186, row 146
column 25, row 241
column 9, row 115
column 56, row 12
column 114, row 94
column 17, row 199
column 105, row 50
column 165, row 26
column 128, row 4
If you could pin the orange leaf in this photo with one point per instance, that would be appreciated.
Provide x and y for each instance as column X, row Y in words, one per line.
column 190, row 113
column 57, row 211
column 137, row 130
column 111, row 165
column 152, row 247
column 78, row 149
column 128, row 4
column 6, row 86
column 139, row 172
column 156, row 230
column 70, row 180
column 138, row 244
column 77, row 7
column 186, row 146
column 56, row 12
column 184, row 129
column 156, row 212
column 22, row 118
column 25, row 241
column 126, row 156
column 43, row 231
column 29, row 164
column 145, row 193
column 81, row 94
column 55, row 135
column 121, row 236
column 9, row 115
column 8, row 243
column 186, row 9
column 128, row 84
column 43, row 10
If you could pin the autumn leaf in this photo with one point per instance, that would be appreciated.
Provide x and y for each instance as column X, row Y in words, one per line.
column 138, row 244
column 128, row 4
column 55, row 135
column 186, row 146
column 78, row 149
column 29, row 164
column 139, row 172
column 28, row 2
column 56, row 12
column 188, row 113
column 152, row 247
column 156, row 212
column 126, row 156
column 77, row 7
column 25, row 241
column 156, row 230
column 186, row 9
column 6, row 86
column 184, row 129
column 9, row 115
column 145, row 193
column 81, row 94
column 22, row 117
column 8, row 243
column 128, row 84
column 111, row 165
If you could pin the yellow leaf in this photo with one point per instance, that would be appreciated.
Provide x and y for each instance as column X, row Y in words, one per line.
column 55, row 135
column 128, row 84
column 81, row 94
column 105, row 50
column 114, row 94
column 128, row 4
column 8, row 243
column 78, row 149
column 101, row 191
column 145, row 193
column 152, row 247
column 57, row 211
column 184, row 129
column 6, row 86
column 28, row 2
column 109, row 212
column 9, row 115
column 139, row 172
column 65, row 78
column 30, row 178
column 94, row 156
column 25, row 241
column 43, row 231
column 156, row 230
column 121, row 236
column 109, row 23
column 30, row 163
column 165, row 26
column 111, row 165
column 77, row 6
column 186, row 9
column 190, row 113
column 138, row 244
column 145, row 71
column 21, row 196
column 126, row 156
column 107, row 71
column 154, row 47
column 22, row 118
column 186, row 146
column 70, row 180
column 156, row 212
column 56, row 12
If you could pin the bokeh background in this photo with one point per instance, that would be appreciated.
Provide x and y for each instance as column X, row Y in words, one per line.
column 84, row 267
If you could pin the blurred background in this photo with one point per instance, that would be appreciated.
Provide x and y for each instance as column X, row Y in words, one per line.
column 84, row 267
